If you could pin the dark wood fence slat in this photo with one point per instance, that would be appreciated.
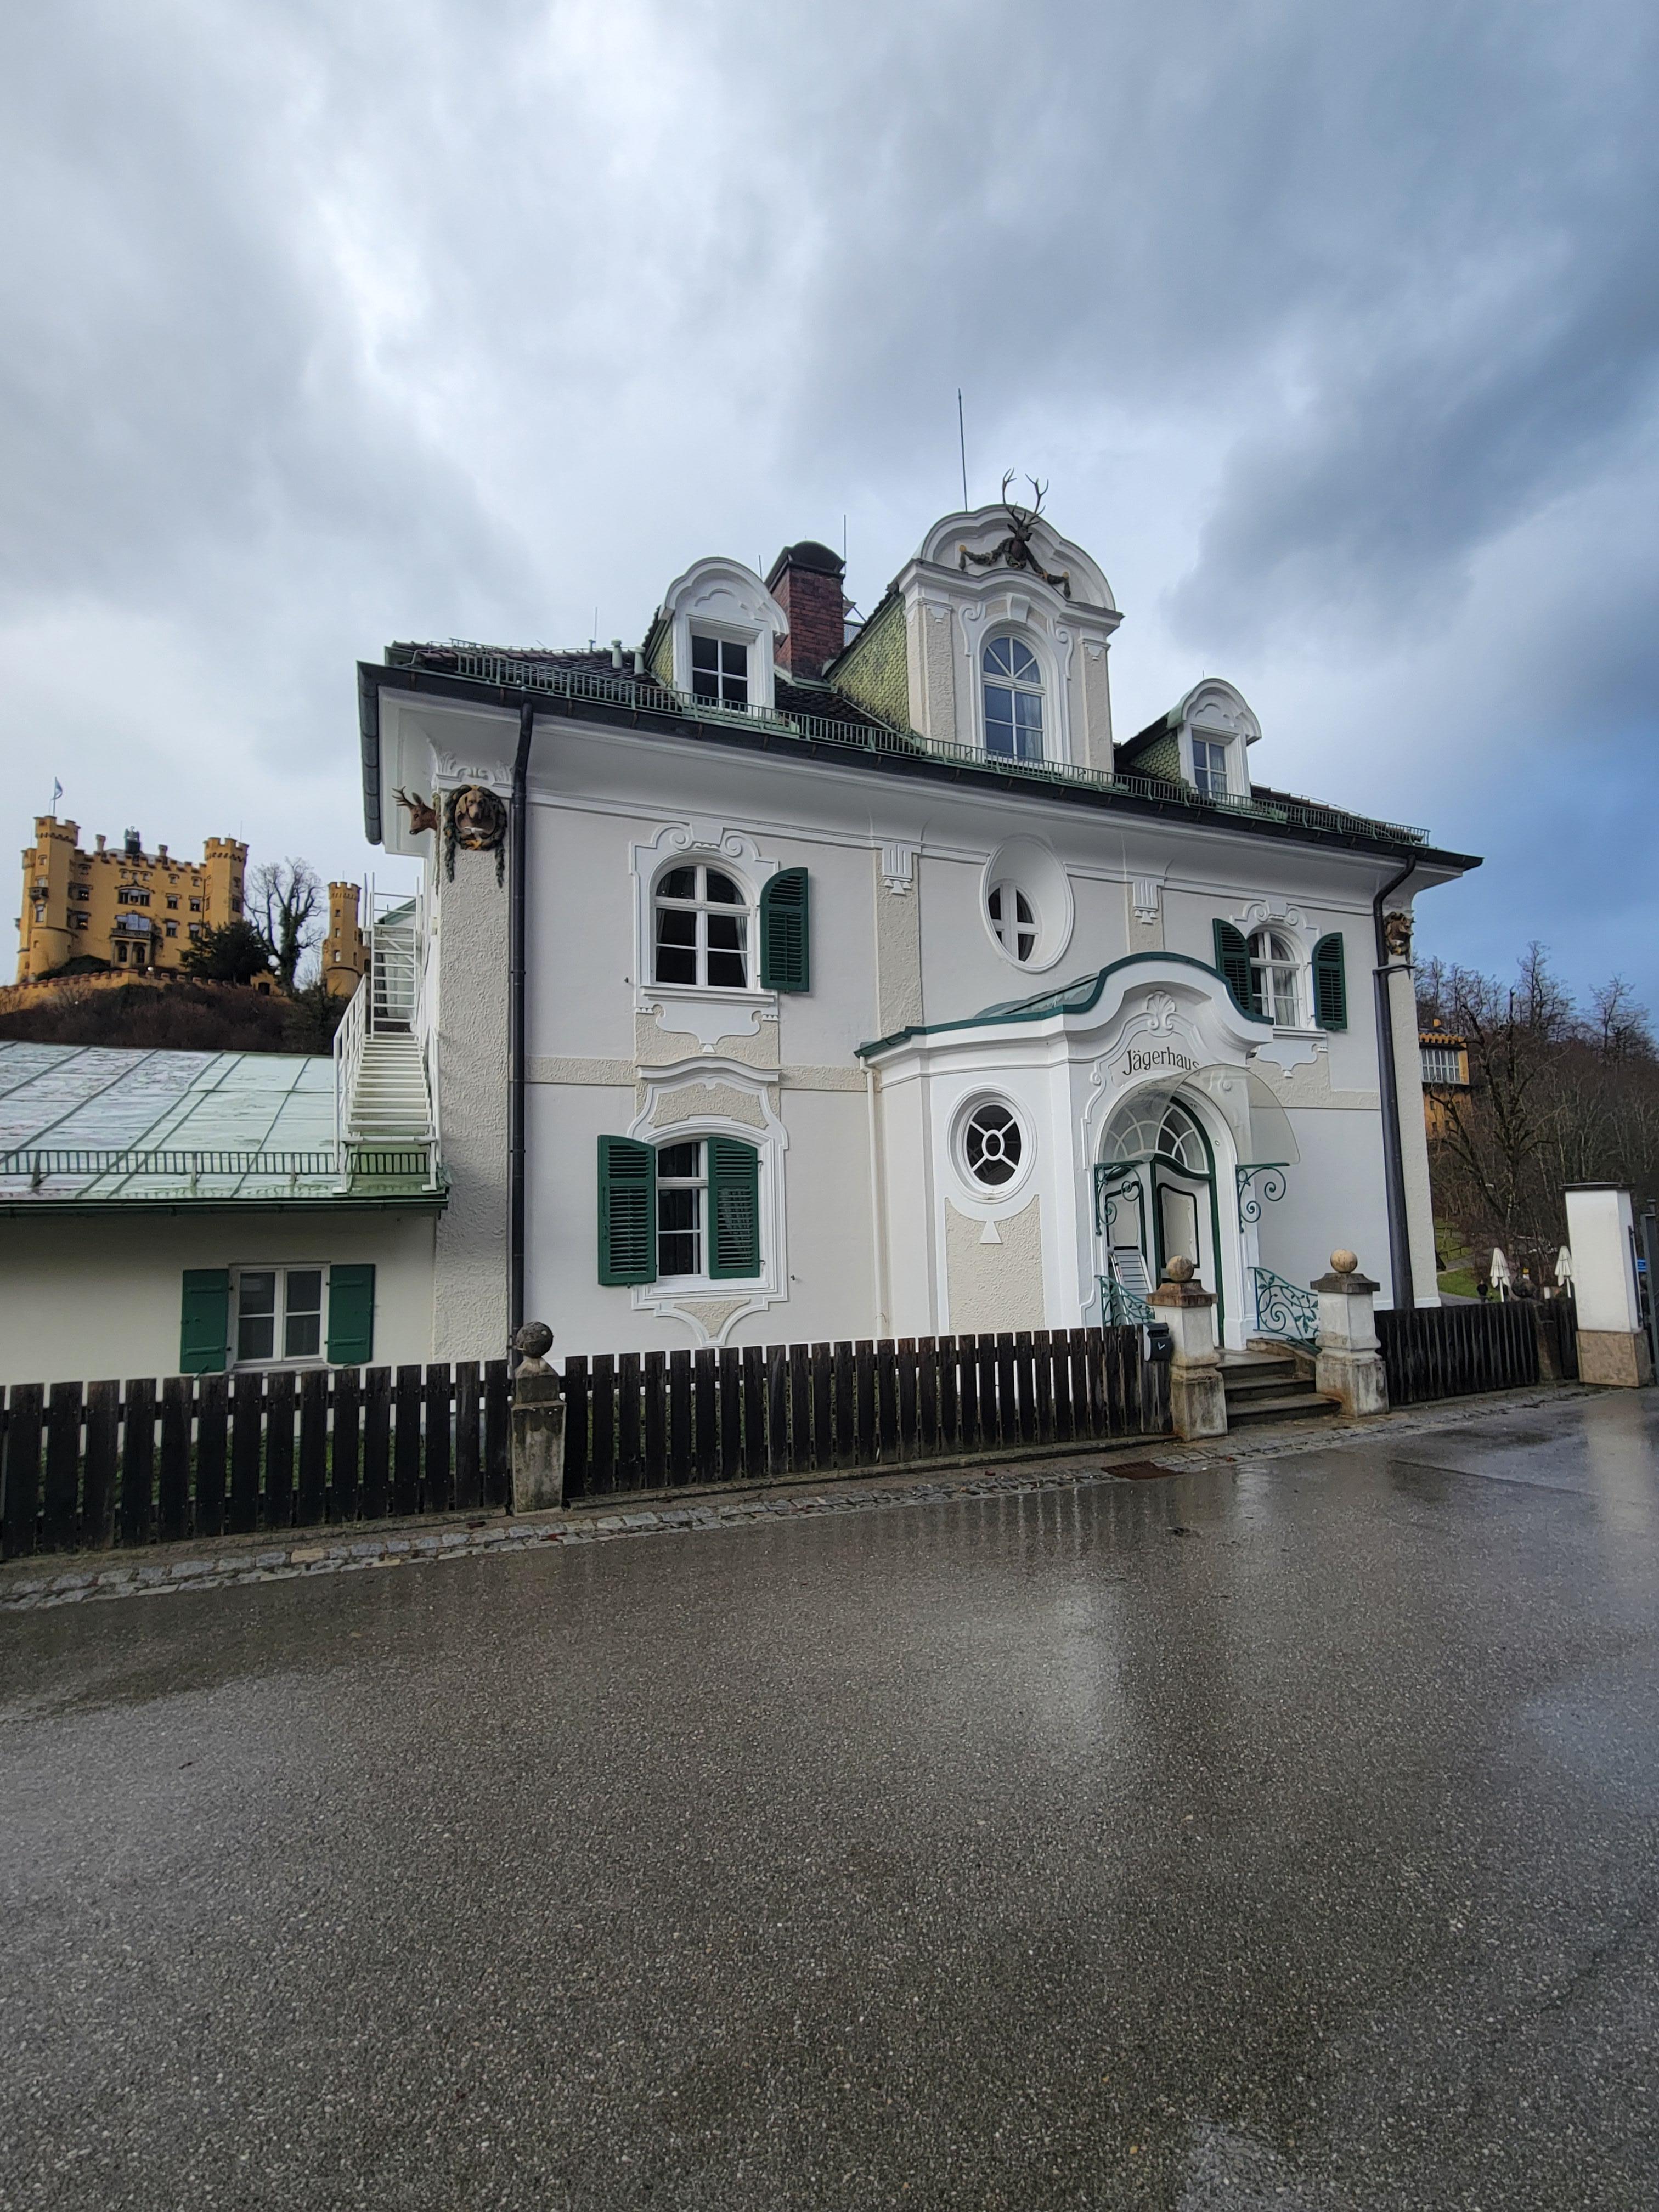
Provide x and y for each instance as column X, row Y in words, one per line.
column 103, row 1446
column 801, row 1409
column 845, row 1405
column 655, row 1387
column 705, row 1418
column 24, row 1425
column 602, row 1464
column 823, row 1438
column 310, row 1493
column 944, row 1366
column 754, row 1412
column 906, row 1366
column 886, row 1399
column 61, row 1498
column 408, row 1399
column 578, row 1412
column 777, row 1409
column 377, row 1442
column 173, row 1490
column 630, row 1442
column 679, row 1417
column 731, row 1366
column 864, row 1388
column 498, row 1433
column 1059, row 1384
column 344, row 1444
column 138, row 1460
column 469, row 1464
column 967, row 1371
column 927, row 1442
column 279, row 1449
column 990, row 1402
column 437, row 1488
column 1026, row 1384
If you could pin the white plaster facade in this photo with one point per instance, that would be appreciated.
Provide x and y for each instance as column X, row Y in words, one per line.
column 868, row 1225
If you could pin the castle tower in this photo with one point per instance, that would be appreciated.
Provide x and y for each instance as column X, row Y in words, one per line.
column 224, row 861
column 343, row 948
column 45, row 930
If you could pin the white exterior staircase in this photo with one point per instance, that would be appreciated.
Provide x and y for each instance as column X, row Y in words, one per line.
column 385, row 1126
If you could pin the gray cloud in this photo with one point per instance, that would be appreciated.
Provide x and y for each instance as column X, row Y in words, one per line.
column 1333, row 330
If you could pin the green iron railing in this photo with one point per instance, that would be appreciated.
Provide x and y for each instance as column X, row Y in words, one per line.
column 1121, row 1308
column 645, row 695
column 1284, row 1309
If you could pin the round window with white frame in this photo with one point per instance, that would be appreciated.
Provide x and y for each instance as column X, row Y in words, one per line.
column 1014, row 920
column 1028, row 908
column 992, row 1147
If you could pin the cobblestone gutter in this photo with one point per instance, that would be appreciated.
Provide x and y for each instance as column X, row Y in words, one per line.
column 167, row 1570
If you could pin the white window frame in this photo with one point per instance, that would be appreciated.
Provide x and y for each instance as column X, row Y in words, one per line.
column 1293, row 958
column 712, row 1306
column 698, row 1278
column 699, row 905
column 720, row 635
column 992, row 1196
column 1005, row 925
column 1235, row 785
column 1045, row 688
column 281, row 1269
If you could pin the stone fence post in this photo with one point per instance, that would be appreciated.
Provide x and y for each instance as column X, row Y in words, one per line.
column 1198, row 1394
column 1349, row 1362
column 538, row 1424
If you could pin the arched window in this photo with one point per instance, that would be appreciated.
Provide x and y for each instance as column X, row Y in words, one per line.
column 1014, row 920
column 1275, row 973
column 1014, row 701
column 701, row 933
column 1149, row 1127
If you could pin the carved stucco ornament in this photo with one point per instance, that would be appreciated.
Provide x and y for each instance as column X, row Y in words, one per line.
column 476, row 820
column 1015, row 550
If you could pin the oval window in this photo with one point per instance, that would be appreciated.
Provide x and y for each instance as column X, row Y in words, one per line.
column 991, row 1146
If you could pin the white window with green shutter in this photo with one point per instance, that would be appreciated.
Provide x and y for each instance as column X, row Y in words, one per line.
column 690, row 1213
column 277, row 1314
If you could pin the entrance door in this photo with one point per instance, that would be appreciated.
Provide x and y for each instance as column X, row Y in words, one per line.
column 1178, row 1225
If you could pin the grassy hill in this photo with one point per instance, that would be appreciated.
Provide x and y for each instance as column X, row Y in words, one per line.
column 175, row 1016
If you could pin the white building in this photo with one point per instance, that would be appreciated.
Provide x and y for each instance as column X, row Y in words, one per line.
column 786, row 982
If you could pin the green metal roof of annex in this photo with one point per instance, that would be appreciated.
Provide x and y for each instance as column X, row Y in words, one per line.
column 105, row 1129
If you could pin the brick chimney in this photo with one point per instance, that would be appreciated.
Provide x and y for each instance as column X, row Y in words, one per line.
column 805, row 580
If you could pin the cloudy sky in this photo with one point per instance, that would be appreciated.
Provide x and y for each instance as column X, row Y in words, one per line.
column 1332, row 330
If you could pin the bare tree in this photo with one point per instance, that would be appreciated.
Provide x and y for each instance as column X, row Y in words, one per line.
column 283, row 897
column 1555, row 1096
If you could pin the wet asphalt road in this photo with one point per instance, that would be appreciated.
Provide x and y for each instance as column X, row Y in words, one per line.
column 1279, row 1836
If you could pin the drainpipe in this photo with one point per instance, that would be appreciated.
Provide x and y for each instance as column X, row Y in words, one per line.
column 1394, row 1164
column 517, row 844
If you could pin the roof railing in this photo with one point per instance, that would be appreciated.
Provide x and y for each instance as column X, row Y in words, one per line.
column 647, row 694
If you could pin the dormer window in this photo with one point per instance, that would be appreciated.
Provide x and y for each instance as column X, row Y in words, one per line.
column 1210, row 768
column 720, row 670
column 1014, row 701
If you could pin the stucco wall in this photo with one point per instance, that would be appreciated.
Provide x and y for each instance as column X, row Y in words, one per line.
column 92, row 1297
column 994, row 1286
column 469, row 1321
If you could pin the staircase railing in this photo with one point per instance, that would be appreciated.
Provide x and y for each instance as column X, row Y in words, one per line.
column 1121, row 1308
column 1283, row 1309
column 350, row 1039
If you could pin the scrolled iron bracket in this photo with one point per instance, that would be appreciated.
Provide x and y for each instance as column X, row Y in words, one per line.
column 1268, row 1192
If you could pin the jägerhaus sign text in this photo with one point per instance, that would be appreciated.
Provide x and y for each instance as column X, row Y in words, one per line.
column 1155, row 1058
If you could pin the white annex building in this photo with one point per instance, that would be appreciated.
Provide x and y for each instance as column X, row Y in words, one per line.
column 784, row 981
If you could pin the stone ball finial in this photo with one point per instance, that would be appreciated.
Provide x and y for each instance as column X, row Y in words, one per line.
column 1345, row 1263
column 533, row 1343
column 1180, row 1269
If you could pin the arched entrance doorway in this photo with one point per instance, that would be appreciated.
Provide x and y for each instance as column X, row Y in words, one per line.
column 1155, row 1200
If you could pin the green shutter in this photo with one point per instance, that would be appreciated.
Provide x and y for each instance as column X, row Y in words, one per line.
column 205, row 1329
column 627, row 1211
column 733, row 1207
column 786, row 935
column 350, row 1316
column 1330, row 983
column 1232, row 960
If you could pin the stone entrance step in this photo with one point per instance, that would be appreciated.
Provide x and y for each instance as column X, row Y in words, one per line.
column 1266, row 1386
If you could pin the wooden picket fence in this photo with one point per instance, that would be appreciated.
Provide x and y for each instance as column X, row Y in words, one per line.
column 87, row 1465
column 1452, row 1352
column 763, row 1413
